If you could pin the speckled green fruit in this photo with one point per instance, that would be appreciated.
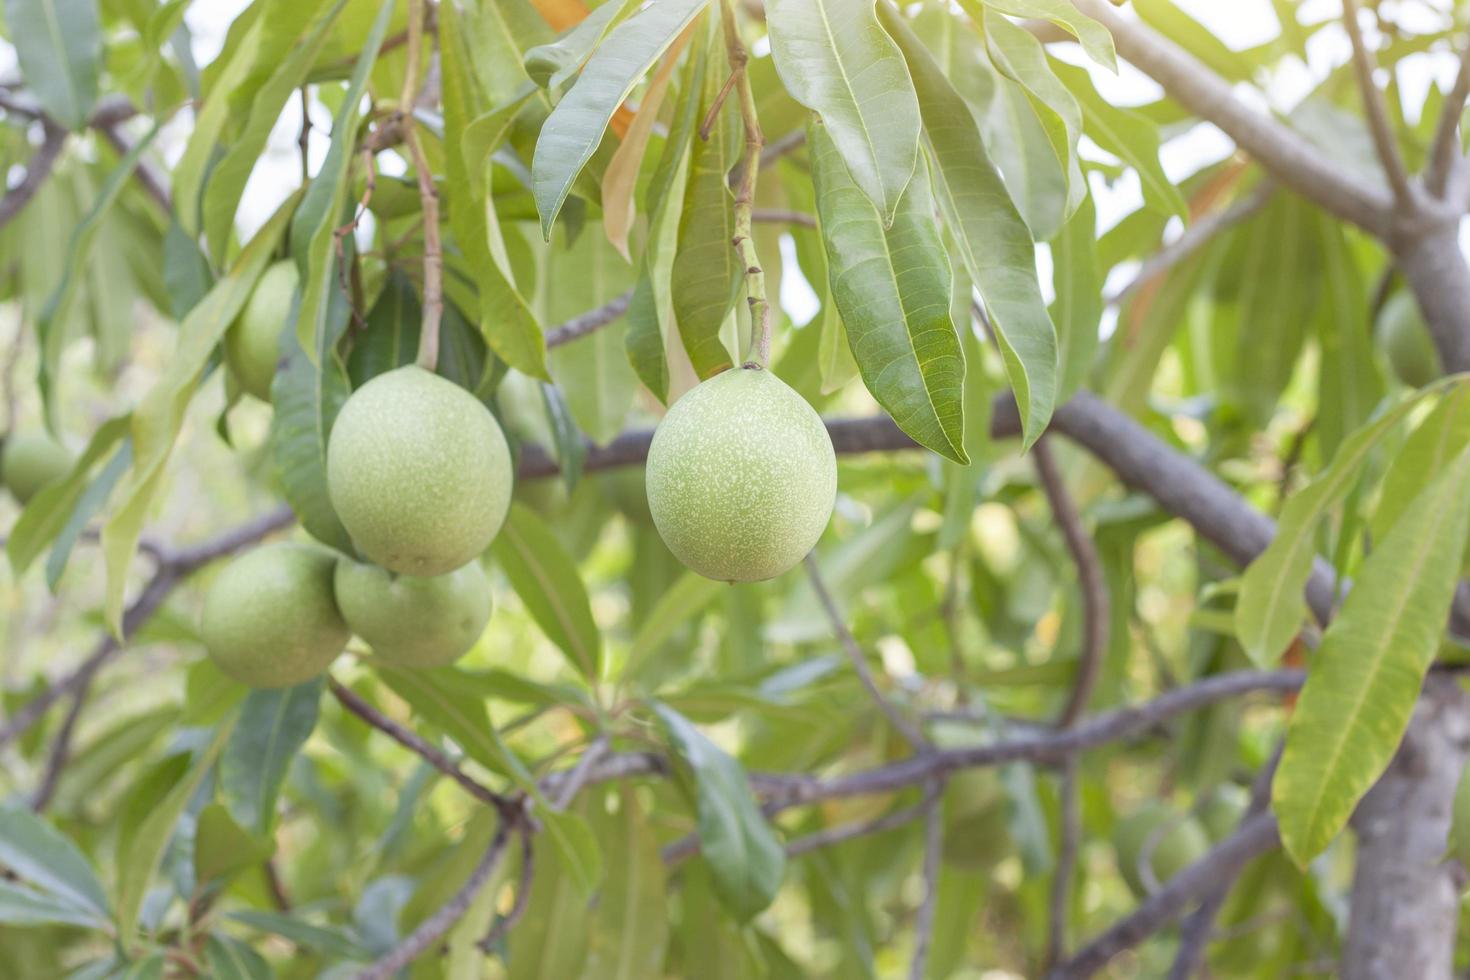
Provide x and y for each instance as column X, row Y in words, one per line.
column 1177, row 841
column 270, row 618
column 1406, row 340
column 411, row 621
column 419, row 472
column 741, row 477
column 253, row 342
column 1223, row 810
column 30, row 461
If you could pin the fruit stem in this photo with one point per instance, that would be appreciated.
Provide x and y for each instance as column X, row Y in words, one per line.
column 428, row 353
column 755, row 277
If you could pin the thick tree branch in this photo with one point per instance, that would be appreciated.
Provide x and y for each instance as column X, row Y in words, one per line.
column 1373, row 106
column 1445, row 150
column 589, row 322
column 1288, row 156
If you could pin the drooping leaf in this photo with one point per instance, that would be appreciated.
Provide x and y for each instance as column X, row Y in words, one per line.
column 21, row 906
column 630, row 928
column 1094, row 37
column 683, row 600
column 52, row 507
column 89, row 505
column 39, row 854
column 1349, row 383
column 273, row 726
column 331, row 940
column 739, row 847
column 989, row 234
column 892, row 287
column 230, row 959
column 572, row 132
column 222, row 848
column 159, row 416
column 547, row 580
column 1077, row 313
column 1365, row 678
column 551, row 64
column 551, row 939
column 836, row 60
column 59, row 46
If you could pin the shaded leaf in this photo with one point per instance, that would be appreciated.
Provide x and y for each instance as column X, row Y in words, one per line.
column 38, row 853
column 547, row 580
column 59, row 45
column 273, row 726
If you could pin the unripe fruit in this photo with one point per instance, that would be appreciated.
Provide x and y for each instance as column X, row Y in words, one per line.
column 741, row 477
column 253, row 342
column 419, row 472
column 270, row 618
column 1406, row 340
column 1177, row 841
column 31, row 461
column 410, row 621
column 1223, row 810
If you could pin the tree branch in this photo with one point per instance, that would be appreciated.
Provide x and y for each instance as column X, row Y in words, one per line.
column 1373, row 105
column 585, row 323
column 924, row 919
column 1288, row 156
column 42, row 162
column 1445, row 150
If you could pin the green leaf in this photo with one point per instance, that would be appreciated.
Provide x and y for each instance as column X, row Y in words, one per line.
column 222, row 848
column 989, row 234
column 59, row 45
column 149, row 821
column 551, row 939
column 330, row 940
column 38, row 853
column 89, row 505
column 1095, row 39
column 836, row 60
column 892, row 287
column 1270, row 607
column 572, row 132
column 550, row 65
column 149, row 967
column 684, row 600
column 630, row 929
column 1436, row 443
column 159, row 417
column 706, row 275
column 1078, row 283
column 1365, row 678
column 273, row 727
column 52, row 507
column 1129, row 136
column 314, row 243
column 546, row 578
column 505, row 320
column 230, row 959
column 1348, row 384
column 227, row 177
column 20, row 906
column 735, row 840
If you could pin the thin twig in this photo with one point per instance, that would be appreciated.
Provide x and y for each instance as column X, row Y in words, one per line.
column 523, row 896
column 1090, row 579
column 1445, row 149
column 433, row 306
column 153, row 183
column 743, row 241
column 60, row 752
column 1069, row 808
column 568, row 789
column 902, row 725
column 303, row 141
column 435, row 926
column 1377, row 111
column 593, row 320
column 891, row 820
column 42, row 162
column 418, row 745
column 924, row 918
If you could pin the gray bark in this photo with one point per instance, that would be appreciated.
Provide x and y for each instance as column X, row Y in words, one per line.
column 1435, row 270
column 1406, row 895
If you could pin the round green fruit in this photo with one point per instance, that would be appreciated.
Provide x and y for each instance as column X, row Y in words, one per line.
column 410, row 621
column 270, row 618
column 419, row 473
column 31, row 461
column 1177, row 841
column 741, row 477
column 253, row 342
column 1406, row 340
column 1223, row 810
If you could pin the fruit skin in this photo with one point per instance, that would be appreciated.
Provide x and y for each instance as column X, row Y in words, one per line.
column 271, row 619
column 1406, row 340
column 419, row 472
column 410, row 621
column 1179, row 845
column 741, row 477
column 253, row 342
column 30, row 461
column 1223, row 810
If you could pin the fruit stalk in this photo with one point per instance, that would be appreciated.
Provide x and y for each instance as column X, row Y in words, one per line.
column 428, row 353
column 750, row 165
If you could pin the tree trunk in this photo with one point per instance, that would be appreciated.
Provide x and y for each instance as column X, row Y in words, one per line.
column 1436, row 271
column 1406, row 895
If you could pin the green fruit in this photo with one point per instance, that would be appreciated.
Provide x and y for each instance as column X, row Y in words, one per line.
column 627, row 491
column 1223, row 810
column 414, row 622
column 270, row 619
column 418, row 472
column 1177, row 841
column 741, row 477
column 977, row 832
column 1407, row 342
column 253, row 342
column 31, row 461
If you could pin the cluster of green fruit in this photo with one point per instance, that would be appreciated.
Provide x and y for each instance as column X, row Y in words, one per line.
column 741, row 481
column 29, row 461
column 1156, row 842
